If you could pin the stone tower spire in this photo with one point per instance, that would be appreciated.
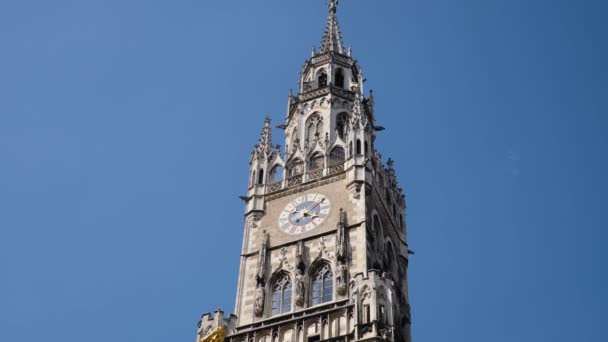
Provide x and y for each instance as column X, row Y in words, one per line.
column 265, row 144
column 332, row 37
column 324, row 254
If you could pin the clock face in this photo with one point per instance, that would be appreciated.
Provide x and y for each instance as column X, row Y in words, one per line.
column 304, row 213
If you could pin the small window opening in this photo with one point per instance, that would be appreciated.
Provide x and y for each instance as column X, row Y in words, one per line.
column 382, row 314
column 366, row 314
column 339, row 81
column 358, row 147
column 322, row 79
column 261, row 177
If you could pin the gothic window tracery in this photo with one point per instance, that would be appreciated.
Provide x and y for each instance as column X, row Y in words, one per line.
column 322, row 285
column 317, row 162
column 281, row 295
column 336, row 156
column 314, row 127
column 296, row 167
column 341, row 122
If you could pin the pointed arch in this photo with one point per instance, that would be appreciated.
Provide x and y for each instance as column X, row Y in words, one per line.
column 316, row 162
column 295, row 167
column 336, row 156
column 314, row 128
column 261, row 177
column 276, row 174
column 321, row 283
column 281, row 293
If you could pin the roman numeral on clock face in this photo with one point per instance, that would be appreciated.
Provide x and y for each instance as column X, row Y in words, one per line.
column 304, row 213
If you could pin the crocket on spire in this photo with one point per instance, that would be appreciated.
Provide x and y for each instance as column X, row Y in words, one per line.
column 332, row 38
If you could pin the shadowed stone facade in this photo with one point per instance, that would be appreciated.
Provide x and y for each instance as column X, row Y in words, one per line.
column 324, row 254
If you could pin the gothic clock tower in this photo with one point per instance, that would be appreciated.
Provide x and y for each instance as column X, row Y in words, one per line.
column 324, row 255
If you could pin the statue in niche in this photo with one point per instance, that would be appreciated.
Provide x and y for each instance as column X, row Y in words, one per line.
column 341, row 278
column 341, row 255
column 260, row 293
column 299, row 287
column 300, row 278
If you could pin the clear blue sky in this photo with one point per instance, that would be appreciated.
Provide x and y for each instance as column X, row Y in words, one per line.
column 126, row 129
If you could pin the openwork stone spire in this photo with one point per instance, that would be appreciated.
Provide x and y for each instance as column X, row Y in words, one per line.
column 265, row 145
column 332, row 38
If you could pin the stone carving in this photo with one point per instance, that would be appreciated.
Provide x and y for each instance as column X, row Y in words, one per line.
column 260, row 296
column 341, row 255
column 341, row 278
column 260, row 293
column 300, row 278
column 299, row 287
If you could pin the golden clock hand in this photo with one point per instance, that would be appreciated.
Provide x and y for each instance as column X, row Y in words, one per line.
column 318, row 204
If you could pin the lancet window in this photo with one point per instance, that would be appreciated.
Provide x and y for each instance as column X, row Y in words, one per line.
column 322, row 285
column 281, row 295
column 336, row 156
column 314, row 127
column 276, row 174
column 317, row 162
column 296, row 167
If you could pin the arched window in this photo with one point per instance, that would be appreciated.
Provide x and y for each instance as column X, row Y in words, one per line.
column 341, row 121
column 261, row 177
column 336, row 156
column 317, row 162
column 296, row 167
column 358, row 147
column 322, row 79
column 276, row 174
column 314, row 128
column 339, row 79
column 281, row 295
column 322, row 285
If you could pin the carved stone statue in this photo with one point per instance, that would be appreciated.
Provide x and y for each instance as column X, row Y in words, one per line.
column 260, row 293
column 261, row 272
column 341, row 237
column 342, row 278
column 258, row 306
column 300, row 278
column 300, row 291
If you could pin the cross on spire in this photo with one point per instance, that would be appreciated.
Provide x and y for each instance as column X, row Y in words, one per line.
column 332, row 38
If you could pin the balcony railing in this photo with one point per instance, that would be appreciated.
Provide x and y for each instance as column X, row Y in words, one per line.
column 316, row 174
column 295, row 180
column 336, row 168
column 276, row 186
column 311, row 175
